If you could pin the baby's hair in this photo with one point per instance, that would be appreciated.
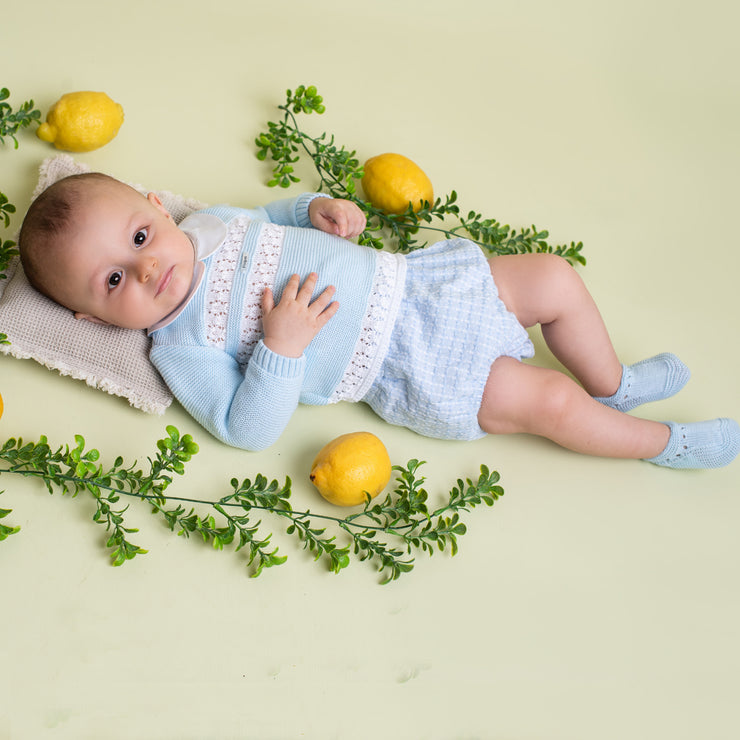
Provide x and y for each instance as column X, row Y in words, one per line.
column 48, row 219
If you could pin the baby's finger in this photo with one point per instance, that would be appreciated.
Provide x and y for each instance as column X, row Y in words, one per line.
column 323, row 300
column 306, row 292
column 340, row 223
column 327, row 313
column 360, row 223
column 290, row 290
column 354, row 222
column 268, row 301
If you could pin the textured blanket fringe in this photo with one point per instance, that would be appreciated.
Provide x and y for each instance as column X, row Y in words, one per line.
column 109, row 386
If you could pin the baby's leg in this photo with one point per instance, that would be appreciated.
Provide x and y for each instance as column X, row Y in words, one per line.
column 535, row 400
column 544, row 289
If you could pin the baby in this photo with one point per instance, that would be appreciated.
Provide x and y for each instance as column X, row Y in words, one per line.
column 253, row 311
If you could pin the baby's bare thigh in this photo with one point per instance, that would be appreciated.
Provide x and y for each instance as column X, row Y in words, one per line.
column 516, row 395
column 532, row 286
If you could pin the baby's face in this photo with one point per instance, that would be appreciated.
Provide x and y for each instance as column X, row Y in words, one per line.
column 124, row 261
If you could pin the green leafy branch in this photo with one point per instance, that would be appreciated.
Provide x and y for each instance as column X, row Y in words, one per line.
column 12, row 121
column 401, row 518
column 405, row 514
column 386, row 532
column 7, row 247
column 339, row 171
column 7, row 250
column 72, row 470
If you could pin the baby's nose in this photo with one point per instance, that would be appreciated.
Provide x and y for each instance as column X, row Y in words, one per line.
column 146, row 267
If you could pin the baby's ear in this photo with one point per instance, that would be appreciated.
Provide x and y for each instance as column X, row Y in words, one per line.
column 153, row 198
column 91, row 319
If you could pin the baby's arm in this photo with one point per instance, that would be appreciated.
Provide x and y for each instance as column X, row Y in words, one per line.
column 332, row 215
column 247, row 408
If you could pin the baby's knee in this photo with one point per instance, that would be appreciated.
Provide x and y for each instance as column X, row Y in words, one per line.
column 558, row 269
column 555, row 399
column 549, row 404
column 520, row 397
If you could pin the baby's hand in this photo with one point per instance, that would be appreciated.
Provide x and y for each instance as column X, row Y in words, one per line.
column 337, row 216
column 290, row 325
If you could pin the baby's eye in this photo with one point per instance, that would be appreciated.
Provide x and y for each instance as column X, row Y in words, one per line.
column 140, row 237
column 114, row 280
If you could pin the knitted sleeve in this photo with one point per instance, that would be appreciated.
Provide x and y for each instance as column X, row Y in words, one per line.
column 292, row 211
column 248, row 410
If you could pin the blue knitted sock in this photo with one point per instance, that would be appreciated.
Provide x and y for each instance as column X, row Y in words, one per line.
column 701, row 444
column 649, row 380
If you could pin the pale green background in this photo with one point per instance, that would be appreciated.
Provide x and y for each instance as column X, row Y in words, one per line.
column 597, row 599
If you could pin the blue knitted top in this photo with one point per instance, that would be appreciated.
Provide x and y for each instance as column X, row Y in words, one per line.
column 210, row 350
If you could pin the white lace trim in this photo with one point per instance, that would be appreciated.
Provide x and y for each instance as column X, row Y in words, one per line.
column 262, row 275
column 375, row 334
column 220, row 280
column 377, row 325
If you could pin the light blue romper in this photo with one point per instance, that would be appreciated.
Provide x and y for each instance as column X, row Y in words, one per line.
column 450, row 328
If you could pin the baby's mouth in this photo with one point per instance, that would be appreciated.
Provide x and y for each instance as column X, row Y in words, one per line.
column 164, row 282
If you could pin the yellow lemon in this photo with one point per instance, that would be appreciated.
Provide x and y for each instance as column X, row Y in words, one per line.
column 1, row 406
column 81, row 121
column 350, row 467
column 392, row 181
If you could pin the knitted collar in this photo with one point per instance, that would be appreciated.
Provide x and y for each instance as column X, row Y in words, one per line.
column 207, row 233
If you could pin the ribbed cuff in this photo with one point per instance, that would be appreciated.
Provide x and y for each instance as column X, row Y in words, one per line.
column 301, row 208
column 275, row 364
